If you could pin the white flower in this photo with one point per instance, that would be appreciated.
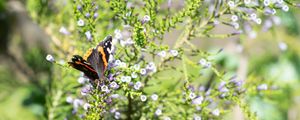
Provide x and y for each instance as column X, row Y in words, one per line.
column 216, row 112
column 162, row 54
column 82, row 80
column 143, row 98
column 117, row 115
column 154, row 97
column 113, row 85
column 88, row 35
column 285, row 8
column 247, row 1
column 118, row 36
column 143, row 71
column 118, row 62
column 231, row 4
column 158, row 112
column 123, row 79
column 77, row 103
column 253, row 16
column 252, row 34
column 136, row 67
column 192, row 95
column 282, row 46
column 258, row 21
column 146, row 18
column 64, row 31
column 202, row 62
column 134, row 75
column 236, row 25
column 234, row 18
column 50, row 58
column 280, row 1
column 196, row 117
column 137, row 85
column 273, row 11
column 80, row 22
column 104, row 88
column 151, row 66
column 174, row 52
column 69, row 99
column 198, row 100
column 127, row 79
column 262, row 87
column 86, row 106
column 167, row 118
column 266, row 2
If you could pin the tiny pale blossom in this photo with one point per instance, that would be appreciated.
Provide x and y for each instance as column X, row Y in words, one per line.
column 113, row 85
column 96, row 15
column 216, row 112
column 146, row 19
column 282, row 46
column 273, row 11
column 158, row 112
column 118, row 62
column 64, row 31
column 117, row 115
column 247, row 1
column 77, row 103
column 143, row 71
column 82, row 80
column 123, row 79
column 236, row 25
column 198, row 100
column 137, row 85
column 88, row 35
column 104, row 88
column 86, row 106
column 50, row 58
column 154, row 97
column 167, row 118
column 192, row 95
column 285, row 8
column 202, row 62
column 136, row 67
column 231, row 4
column 266, row 2
column 134, row 75
column 127, row 79
column 151, row 66
column 234, row 18
column 162, row 54
column 262, row 87
column 174, row 52
column 196, row 117
column 69, row 99
column 279, row 1
column 258, row 21
column 253, row 16
column 143, row 98
column 80, row 22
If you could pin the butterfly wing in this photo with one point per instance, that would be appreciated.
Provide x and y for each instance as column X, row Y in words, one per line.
column 82, row 65
column 99, row 56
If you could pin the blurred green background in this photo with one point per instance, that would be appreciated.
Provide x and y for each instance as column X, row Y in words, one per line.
column 25, row 75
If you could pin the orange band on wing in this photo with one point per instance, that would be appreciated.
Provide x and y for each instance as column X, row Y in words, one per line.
column 101, row 50
column 87, row 54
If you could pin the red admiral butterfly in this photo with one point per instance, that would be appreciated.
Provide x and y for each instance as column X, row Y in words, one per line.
column 95, row 61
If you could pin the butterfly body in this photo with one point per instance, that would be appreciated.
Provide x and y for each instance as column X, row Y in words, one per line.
column 94, row 63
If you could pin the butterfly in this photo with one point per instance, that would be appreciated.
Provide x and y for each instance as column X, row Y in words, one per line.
column 94, row 62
